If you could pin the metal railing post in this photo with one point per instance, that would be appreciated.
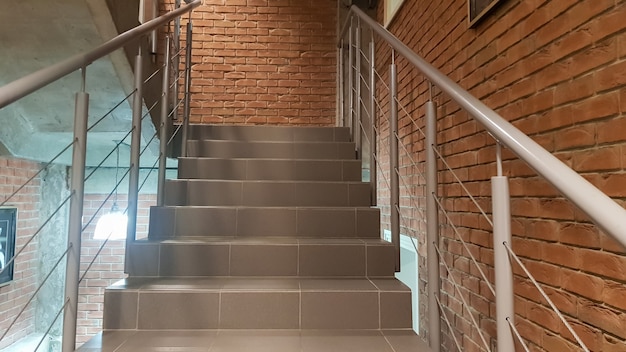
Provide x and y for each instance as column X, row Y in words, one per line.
column 342, row 95
column 135, row 145
column 394, row 201
column 373, row 163
column 350, row 80
column 187, row 110
column 357, row 115
column 432, row 228
column 165, row 96
column 72, row 273
column 504, row 273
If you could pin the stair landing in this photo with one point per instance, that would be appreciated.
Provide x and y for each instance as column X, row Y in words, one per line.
column 257, row 341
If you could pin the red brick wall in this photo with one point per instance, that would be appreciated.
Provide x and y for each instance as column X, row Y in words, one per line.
column 108, row 267
column 264, row 62
column 14, row 173
column 555, row 70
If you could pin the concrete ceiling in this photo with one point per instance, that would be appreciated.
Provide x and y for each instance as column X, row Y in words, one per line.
column 37, row 33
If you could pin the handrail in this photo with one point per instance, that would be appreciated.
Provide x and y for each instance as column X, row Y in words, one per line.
column 601, row 209
column 39, row 79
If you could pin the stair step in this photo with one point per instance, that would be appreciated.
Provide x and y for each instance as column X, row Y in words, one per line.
column 286, row 257
column 325, row 222
column 269, row 169
column 266, row 193
column 257, row 303
column 269, row 133
column 273, row 150
column 257, row 341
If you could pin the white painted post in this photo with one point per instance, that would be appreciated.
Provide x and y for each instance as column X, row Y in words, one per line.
column 432, row 228
column 501, row 203
column 72, row 272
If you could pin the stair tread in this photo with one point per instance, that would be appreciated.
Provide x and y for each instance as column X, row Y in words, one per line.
column 258, row 341
column 266, row 240
column 255, row 284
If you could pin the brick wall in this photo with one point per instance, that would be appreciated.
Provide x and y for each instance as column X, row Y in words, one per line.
column 555, row 70
column 14, row 173
column 108, row 267
column 264, row 62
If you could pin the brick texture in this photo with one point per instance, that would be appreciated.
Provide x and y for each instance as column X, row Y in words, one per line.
column 555, row 69
column 14, row 173
column 264, row 62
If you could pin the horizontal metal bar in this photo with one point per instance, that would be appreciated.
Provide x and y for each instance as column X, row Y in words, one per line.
column 601, row 209
column 28, row 84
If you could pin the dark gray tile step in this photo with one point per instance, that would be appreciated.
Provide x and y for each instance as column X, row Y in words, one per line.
column 269, row 169
column 257, row 303
column 266, row 193
column 269, row 133
column 279, row 257
column 275, row 150
column 239, row 221
column 257, row 340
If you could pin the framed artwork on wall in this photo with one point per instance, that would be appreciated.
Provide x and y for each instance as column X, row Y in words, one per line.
column 8, row 227
column 477, row 9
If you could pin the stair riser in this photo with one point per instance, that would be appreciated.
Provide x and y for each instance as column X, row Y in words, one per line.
column 236, row 309
column 269, row 169
column 234, row 193
column 153, row 259
column 272, row 150
column 170, row 222
column 270, row 133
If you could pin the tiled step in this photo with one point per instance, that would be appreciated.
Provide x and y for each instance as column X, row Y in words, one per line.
column 257, row 341
column 325, row 222
column 270, row 133
column 271, row 150
column 266, row 193
column 286, row 257
column 269, row 169
column 257, row 303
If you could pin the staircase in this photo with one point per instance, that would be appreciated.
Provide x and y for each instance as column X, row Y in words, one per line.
column 266, row 242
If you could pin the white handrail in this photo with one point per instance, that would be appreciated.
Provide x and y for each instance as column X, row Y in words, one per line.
column 21, row 87
column 609, row 216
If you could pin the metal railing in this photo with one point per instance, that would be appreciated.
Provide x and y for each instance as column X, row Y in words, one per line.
column 169, row 105
column 367, row 97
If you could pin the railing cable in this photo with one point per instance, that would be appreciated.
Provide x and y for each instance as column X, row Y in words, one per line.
column 458, row 235
column 458, row 290
column 36, row 292
column 111, row 110
column 545, row 296
column 463, row 186
column 6, row 266
column 445, row 318
column 517, row 334
column 37, row 173
column 56, row 317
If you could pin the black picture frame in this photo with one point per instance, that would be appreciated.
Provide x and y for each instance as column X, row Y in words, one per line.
column 8, row 230
column 477, row 9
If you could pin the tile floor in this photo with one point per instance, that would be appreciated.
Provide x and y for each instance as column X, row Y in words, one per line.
column 256, row 341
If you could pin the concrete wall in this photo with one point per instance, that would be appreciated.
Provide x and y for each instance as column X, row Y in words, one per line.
column 264, row 62
column 555, row 70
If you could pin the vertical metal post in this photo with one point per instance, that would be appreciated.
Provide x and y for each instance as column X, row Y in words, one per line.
column 165, row 97
column 187, row 87
column 357, row 116
column 373, row 163
column 432, row 228
column 135, row 146
column 176, row 64
column 342, row 94
column 81, row 111
column 350, row 80
column 504, row 272
column 394, row 201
